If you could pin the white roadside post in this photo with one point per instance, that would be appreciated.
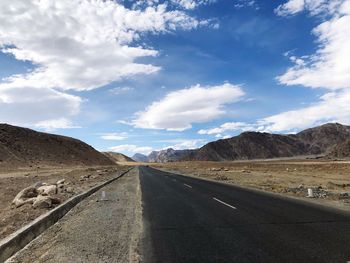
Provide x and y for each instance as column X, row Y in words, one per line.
column 103, row 196
column 310, row 193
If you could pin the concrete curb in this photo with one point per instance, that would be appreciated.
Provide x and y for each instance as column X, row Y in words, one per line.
column 19, row 239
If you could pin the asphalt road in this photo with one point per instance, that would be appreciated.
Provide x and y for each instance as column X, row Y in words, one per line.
column 192, row 220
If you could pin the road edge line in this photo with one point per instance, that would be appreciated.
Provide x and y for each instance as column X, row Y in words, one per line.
column 19, row 239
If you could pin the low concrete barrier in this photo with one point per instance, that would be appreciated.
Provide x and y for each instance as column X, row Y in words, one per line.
column 19, row 239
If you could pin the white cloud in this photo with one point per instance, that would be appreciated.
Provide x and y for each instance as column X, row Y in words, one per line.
column 229, row 126
column 83, row 44
column 42, row 108
column 182, row 144
column 178, row 110
column 74, row 45
column 53, row 124
column 121, row 90
column 245, row 3
column 130, row 148
column 333, row 107
column 327, row 68
column 185, row 4
column 315, row 7
column 113, row 136
column 291, row 7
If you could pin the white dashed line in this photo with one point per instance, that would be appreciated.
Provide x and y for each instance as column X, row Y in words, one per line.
column 188, row 185
column 224, row 203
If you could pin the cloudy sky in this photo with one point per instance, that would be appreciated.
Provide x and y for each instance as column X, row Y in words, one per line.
column 136, row 76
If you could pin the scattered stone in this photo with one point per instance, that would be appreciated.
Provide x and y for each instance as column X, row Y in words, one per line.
column 61, row 181
column 27, row 195
column 47, row 189
column 42, row 202
column 70, row 189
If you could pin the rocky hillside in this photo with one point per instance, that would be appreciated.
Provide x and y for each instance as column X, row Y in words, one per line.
column 118, row 157
column 320, row 140
column 168, row 155
column 138, row 157
column 341, row 150
column 25, row 147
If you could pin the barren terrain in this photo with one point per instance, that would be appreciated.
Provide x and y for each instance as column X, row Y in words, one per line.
column 77, row 180
column 330, row 180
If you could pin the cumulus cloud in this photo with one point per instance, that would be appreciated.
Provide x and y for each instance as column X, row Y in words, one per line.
column 185, row 4
column 178, row 110
column 74, row 45
column 130, row 148
column 230, row 127
column 328, row 68
column 84, row 44
column 113, row 136
column 332, row 107
column 182, row 144
column 44, row 108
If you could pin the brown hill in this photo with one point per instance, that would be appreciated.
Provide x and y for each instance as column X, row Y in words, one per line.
column 118, row 157
column 256, row 145
column 324, row 138
column 341, row 150
column 251, row 145
column 23, row 147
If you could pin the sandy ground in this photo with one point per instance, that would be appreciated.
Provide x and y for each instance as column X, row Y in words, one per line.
column 95, row 230
column 78, row 179
column 330, row 180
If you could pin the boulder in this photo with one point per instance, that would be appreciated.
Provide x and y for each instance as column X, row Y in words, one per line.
column 47, row 189
column 42, row 202
column 61, row 181
column 27, row 195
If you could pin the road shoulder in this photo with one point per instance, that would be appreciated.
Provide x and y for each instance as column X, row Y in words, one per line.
column 95, row 230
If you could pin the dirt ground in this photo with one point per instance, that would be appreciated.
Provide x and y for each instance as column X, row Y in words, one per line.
column 77, row 180
column 95, row 230
column 330, row 180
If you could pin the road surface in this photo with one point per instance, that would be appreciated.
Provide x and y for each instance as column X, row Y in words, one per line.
column 192, row 220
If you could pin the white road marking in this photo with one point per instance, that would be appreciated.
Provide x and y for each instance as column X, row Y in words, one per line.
column 188, row 185
column 224, row 203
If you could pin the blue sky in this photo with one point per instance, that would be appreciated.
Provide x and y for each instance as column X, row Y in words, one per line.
column 136, row 76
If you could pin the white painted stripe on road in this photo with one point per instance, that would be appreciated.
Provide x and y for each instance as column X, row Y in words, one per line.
column 222, row 202
column 188, row 185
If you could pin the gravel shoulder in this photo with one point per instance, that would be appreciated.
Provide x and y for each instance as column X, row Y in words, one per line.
column 77, row 180
column 95, row 230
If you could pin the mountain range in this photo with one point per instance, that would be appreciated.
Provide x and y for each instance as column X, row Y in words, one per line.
column 331, row 139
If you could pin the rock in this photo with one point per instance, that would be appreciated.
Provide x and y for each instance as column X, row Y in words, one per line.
column 61, row 181
column 70, row 189
column 27, row 195
column 226, row 169
column 42, row 202
column 47, row 189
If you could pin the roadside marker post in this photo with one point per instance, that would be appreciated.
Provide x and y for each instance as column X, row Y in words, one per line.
column 310, row 193
column 103, row 196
